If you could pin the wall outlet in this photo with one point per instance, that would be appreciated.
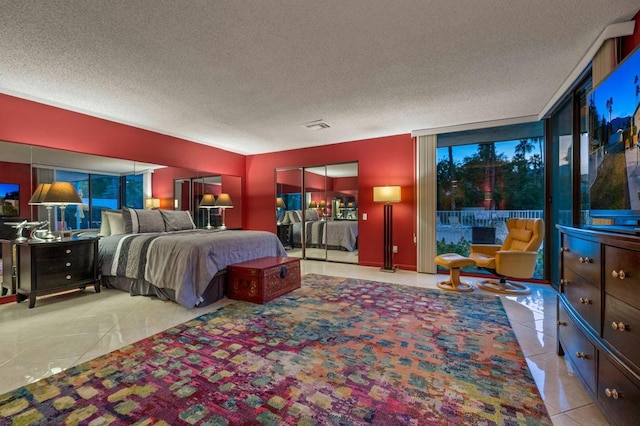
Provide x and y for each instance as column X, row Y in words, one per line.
column 395, row 249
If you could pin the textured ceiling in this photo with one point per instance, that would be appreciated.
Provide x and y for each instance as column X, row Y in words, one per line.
column 246, row 75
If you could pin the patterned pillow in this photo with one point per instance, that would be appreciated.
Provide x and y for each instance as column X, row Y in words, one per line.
column 177, row 220
column 140, row 221
column 115, row 222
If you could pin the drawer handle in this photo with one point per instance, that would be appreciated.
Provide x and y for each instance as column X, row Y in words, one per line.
column 561, row 323
column 67, row 264
column 585, row 301
column 582, row 355
column 621, row 274
column 564, row 281
column 611, row 393
column 68, row 277
column 563, row 250
column 585, row 259
column 68, row 251
column 618, row 326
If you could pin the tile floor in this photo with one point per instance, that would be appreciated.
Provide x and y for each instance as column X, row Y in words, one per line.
column 68, row 329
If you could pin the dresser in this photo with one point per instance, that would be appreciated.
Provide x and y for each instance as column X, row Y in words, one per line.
column 599, row 317
column 47, row 267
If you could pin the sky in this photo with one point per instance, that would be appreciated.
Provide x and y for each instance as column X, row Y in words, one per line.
column 619, row 85
column 459, row 152
column 7, row 187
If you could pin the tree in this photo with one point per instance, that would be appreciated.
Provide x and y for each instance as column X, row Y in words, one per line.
column 610, row 109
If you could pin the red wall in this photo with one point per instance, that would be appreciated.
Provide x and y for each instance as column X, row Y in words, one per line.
column 18, row 173
column 381, row 161
column 34, row 123
column 629, row 43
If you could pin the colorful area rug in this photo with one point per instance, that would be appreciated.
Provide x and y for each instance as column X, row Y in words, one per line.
column 337, row 351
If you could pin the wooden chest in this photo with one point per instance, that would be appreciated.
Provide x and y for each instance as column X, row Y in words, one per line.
column 264, row 279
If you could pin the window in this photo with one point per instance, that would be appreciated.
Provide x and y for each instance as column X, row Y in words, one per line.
column 484, row 178
column 97, row 191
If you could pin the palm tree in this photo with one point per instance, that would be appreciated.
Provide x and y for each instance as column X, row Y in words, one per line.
column 610, row 109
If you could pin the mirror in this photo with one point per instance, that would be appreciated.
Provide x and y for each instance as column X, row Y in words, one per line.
column 21, row 163
column 324, row 199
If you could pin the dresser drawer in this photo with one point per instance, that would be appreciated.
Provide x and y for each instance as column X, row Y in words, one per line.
column 617, row 394
column 577, row 348
column 582, row 257
column 583, row 297
column 621, row 328
column 622, row 274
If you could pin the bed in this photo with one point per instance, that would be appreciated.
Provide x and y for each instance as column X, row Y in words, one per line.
column 334, row 234
column 187, row 266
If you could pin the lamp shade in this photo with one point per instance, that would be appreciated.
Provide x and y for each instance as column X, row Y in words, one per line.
column 40, row 193
column 208, row 200
column 62, row 193
column 313, row 205
column 280, row 203
column 224, row 201
column 323, row 204
column 152, row 203
column 386, row 194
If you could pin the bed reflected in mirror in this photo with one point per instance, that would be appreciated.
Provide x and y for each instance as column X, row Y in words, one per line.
column 316, row 211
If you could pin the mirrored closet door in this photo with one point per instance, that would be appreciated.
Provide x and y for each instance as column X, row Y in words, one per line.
column 317, row 211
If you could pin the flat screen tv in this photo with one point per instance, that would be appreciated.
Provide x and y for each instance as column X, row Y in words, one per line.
column 614, row 151
column 10, row 199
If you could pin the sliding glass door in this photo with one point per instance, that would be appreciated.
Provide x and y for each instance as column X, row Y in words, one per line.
column 486, row 177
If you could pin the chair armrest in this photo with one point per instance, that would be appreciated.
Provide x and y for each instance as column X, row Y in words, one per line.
column 489, row 250
column 516, row 264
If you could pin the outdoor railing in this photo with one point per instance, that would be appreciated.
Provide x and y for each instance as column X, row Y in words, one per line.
column 481, row 217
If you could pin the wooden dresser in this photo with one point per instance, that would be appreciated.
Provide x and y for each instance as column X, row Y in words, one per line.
column 599, row 317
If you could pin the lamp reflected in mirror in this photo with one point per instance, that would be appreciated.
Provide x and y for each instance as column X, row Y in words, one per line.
column 208, row 202
column 37, row 199
column 280, row 207
column 223, row 202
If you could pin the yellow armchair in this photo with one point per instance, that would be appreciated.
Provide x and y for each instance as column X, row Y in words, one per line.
column 515, row 258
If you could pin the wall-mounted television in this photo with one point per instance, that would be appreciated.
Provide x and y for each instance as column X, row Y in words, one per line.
column 614, row 149
column 10, row 199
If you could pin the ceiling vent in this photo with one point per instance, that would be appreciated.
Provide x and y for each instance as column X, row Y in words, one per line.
column 316, row 125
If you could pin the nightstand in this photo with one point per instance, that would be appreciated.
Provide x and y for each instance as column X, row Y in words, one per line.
column 285, row 235
column 47, row 267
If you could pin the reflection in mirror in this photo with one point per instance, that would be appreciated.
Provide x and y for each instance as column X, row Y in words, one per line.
column 289, row 190
column 323, row 224
column 104, row 182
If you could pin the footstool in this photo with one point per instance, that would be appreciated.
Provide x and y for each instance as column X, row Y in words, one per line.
column 454, row 262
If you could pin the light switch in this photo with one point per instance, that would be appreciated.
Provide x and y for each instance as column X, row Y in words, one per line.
column 364, row 216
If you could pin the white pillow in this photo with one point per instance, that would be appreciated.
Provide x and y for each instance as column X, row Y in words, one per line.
column 116, row 222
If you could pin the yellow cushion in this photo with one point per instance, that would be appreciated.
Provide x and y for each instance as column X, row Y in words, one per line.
column 520, row 234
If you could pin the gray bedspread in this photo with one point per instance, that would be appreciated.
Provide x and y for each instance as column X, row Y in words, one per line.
column 336, row 234
column 184, row 261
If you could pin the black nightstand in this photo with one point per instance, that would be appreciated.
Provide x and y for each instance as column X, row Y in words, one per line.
column 285, row 235
column 47, row 267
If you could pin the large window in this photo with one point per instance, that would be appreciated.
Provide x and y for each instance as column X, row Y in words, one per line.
column 484, row 178
column 97, row 191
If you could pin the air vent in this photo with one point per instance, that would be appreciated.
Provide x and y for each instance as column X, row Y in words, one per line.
column 316, row 125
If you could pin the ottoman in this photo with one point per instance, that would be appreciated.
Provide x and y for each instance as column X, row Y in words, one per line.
column 454, row 262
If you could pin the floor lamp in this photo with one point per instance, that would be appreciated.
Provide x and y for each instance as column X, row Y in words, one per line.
column 224, row 202
column 387, row 195
column 208, row 202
